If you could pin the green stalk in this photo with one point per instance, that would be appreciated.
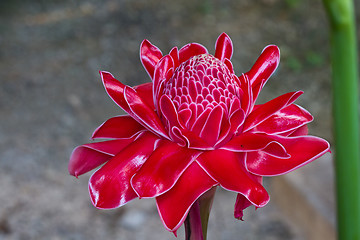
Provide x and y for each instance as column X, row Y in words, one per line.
column 346, row 118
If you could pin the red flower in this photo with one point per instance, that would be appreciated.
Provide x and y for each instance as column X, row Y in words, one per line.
column 195, row 126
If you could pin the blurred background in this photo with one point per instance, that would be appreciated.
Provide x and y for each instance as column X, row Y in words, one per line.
column 52, row 98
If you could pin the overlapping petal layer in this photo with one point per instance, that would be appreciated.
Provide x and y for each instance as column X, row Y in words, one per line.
column 110, row 187
column 163, row 168
column 195, row 126
column 227, row 168
column 302, row 149
column 175, row 204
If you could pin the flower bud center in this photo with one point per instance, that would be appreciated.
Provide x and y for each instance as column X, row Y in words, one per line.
column 202, row 80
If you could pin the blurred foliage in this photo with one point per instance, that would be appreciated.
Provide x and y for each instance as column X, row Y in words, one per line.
column 314, row 59
column 294, row 63
column 293, row 3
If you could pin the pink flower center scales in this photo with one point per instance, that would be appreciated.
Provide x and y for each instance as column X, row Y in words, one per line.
column 205, row 94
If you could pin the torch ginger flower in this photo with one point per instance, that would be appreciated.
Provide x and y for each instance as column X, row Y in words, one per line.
column 194, row 127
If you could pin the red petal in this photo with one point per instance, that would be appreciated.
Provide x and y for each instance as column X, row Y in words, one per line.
column 256, row 88
column 190, row 50
column 229, row 129
column 192, row 140
column 115, row 89
column 227, row 168
column 265, row 65
column 174, row 205
column 247, row 97
column 266, row 110
column 247, row 142
column 303, row 150
column 168, row 110
column 118, row 127
column 287, row 119
column 86, row 157
column 229, row 65
column 140, row 110
column 149, row 56
column 145, row 92
column 301, row 131
column 110, row 187
column 174, row 53
column 211, row 130
column 160, row 76
column 200, row 121
column 223, row 47
column 241, row 204
column 163, row 168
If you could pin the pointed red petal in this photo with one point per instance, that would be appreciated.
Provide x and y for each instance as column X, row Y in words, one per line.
column 287, row 119
column 149, row 56
column 247, row 142
column 163, row 168
column 240, row 205
column 190, row 139
column 115, row 89
column 168, row 110
column 174, row 205
column 160, row 76
column 140, row 110
column 247, row 97
column 174, row 53
column 229, row 65
column 265, row 65
column 211, row 130
column 145, row 92
column 266, row 110
column 110, row 187
column 227, row 168
column 230, row 129
column 223, row 47
column 190, row 50
column 118, row 127
column 301, row 131
column 242, row 202
column 86, row 157
column 303, row 150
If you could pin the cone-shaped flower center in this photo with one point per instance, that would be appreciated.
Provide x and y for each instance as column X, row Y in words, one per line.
column 202, row 82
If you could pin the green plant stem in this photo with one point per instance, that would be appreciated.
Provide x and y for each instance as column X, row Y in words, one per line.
column 346, row 118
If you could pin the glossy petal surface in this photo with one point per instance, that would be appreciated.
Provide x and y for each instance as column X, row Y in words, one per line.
column 174, row 205
column 266, row 110
column 303, row 150
column 193, row 127
column 163, row 168
column 149, row 56
column 115, row 89
column 86, row 157
column 223, row 47
column 227, row 168
column 190, row 50
column 287, row 119
column 145, row 92
column 265, row 65
column 109, row 187
column 249, row 142
column 118, row 127
column 140, row 110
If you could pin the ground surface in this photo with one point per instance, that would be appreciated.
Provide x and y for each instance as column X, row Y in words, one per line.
column 51, row 98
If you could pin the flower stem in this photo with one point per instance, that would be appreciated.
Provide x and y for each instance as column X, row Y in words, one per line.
column 346, row 119
column 197, row 220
